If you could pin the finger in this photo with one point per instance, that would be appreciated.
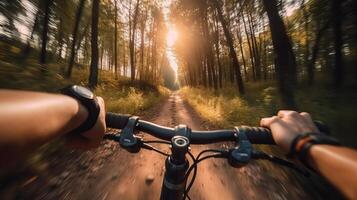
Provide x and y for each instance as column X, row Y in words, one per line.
column 309, row 122
column 288, row 114
column 101, row 102
column 268, row 121
column 283, row 113
column 306, row 115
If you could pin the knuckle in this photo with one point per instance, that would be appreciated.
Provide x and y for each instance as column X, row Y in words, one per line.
column 273, row 120
column 292, row 114
column 305, row 114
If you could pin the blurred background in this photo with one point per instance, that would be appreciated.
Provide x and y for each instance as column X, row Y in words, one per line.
column 231, row 61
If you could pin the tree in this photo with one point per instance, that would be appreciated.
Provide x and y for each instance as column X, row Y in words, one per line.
column 232, row 51
column 74, row 37
column 132, row 41
column 285, row 58
column 46, row 21
column 337, row 30
column 93, row 72
column 116, row 38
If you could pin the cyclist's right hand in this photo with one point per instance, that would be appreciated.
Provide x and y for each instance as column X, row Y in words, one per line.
column 286, row 125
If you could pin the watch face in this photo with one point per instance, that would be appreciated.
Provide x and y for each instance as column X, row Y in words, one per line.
column 84, row 92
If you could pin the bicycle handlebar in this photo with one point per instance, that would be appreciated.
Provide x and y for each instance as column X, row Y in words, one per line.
column 256, row 135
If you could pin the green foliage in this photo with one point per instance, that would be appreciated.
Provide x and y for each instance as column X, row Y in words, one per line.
column 225, row 109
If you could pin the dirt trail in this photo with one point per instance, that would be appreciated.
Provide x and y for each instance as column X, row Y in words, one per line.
column 110, row 172
column 215, row 179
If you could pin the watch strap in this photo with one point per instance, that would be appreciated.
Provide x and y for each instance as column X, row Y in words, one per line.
column 302, row 144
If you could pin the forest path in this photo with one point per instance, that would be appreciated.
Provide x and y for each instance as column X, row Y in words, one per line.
column 216, row 179
column 109, row 172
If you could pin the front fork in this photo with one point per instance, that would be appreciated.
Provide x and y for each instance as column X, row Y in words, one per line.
column 173, row 186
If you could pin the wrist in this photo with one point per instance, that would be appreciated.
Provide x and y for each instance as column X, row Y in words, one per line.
column 81, row 114
column 303, row 144
column 87, row 101
column 310, row 155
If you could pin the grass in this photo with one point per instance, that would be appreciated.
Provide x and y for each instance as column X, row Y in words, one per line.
column 120, row 95
column 225, row 108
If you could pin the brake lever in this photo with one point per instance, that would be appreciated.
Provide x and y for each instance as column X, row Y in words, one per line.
column 127, row 139
column 241, row 154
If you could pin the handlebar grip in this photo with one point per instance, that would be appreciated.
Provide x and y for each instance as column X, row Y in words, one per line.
column 114, row 120
column 257, row 135
column 260, row 135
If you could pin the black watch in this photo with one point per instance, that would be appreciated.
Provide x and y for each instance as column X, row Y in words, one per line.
column 88, row 100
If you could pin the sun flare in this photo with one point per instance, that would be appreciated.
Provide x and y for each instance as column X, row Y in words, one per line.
column 171, row 37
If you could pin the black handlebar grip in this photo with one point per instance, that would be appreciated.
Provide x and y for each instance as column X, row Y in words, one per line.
column 257, row 135
column 118, row 121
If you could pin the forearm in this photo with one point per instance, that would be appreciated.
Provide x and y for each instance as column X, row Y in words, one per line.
column 28, row 119
column 338, row 165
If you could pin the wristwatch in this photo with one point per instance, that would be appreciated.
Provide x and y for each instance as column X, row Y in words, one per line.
column 88, row 100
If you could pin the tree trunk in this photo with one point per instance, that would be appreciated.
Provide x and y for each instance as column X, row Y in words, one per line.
column 315, row 51
column 132, row 42
column 239, row 36
column 93, row 72
column 232, row 51
column 60, row 40
column 116, row 38
column 306, row 27
column 255, row 48
column 249, row 47
column 26, row 50
column 337, row 28
column 142, row 46
column 285, row 58
column 46, row 21
column 74, row 37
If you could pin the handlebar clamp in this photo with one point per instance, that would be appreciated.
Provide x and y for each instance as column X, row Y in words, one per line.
column 183, row 130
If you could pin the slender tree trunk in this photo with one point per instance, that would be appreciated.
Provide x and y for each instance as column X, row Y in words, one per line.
column 93, row 72
column 142, row 46
column 116, row 38
column 337, row 28
column 249, row 47
column 74, row 37
column 132, row 42
column 315, row 51
column 239, row 36
column 285, row 58
column 46, row 21
column 220, row 71
column 254, row 47
column 60, row 40
column 232, row 51
column 26, row 50
column 216, row 41
column 306, row 27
